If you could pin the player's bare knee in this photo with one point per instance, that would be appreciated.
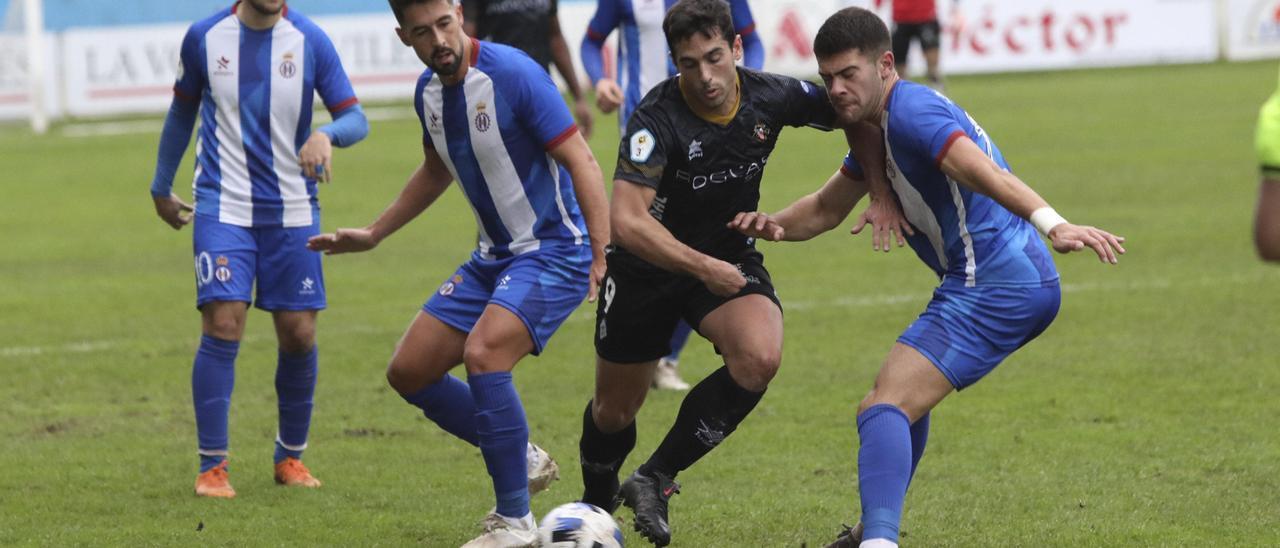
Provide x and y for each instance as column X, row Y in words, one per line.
column 406, row 377
column 754, row 370
column 299, row 340
column 227, row 327
column 613, row 416
column 480, row 357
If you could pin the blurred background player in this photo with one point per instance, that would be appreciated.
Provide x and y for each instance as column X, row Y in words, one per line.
column 495, row 122
column 917, row 20
column 1266, row 235
column 643, row 62
column 533, row 27
column 975, row 226
column 250, row 72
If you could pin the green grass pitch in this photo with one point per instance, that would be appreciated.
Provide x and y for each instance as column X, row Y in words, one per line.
column 1145, row 416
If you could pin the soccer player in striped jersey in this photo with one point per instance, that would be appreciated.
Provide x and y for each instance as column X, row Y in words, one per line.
column 642, row 49
column 975, row 226
column 1266, row 227
column 493, row 120
column 250, row 72
column 642, row 64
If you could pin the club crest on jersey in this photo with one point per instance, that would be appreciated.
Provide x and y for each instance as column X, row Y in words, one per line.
column 223, row 274
column 761, row 132
column 695, row 149
column 287, row 68
column 482, row 117
column 642, row 145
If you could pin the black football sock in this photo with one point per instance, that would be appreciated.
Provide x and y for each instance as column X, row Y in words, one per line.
column 710, row 412
column 602, row 455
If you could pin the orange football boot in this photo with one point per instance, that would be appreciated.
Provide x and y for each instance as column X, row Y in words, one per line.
column 214, row 483
column 291, row 471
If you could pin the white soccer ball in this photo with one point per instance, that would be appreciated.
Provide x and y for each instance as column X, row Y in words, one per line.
column 579, row 525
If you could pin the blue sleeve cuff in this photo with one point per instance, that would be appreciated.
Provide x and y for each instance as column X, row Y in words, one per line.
column 348, row 128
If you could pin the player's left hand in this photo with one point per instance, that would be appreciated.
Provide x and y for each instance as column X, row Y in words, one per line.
column 887, row 222
column 757, row 224
column 586, row 120
column 315, row 157
column 1067, row 237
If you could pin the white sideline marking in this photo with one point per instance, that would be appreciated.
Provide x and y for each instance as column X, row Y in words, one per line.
column 110, row 129
column 917, row 298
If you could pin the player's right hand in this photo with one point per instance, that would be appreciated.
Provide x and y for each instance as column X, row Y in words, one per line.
column 1067, row 237
column 345, row 240
column 723, row 279
column 608, row 95
column 758, row 224
column 173, row 210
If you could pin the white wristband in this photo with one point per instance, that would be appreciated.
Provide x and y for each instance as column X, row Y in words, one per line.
column 1045, row 218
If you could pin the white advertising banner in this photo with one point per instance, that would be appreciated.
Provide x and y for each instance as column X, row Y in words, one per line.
column 1253, row 29
column 116, row 70
column 120, row 69
column 1016, row 35
column 132, row 69
column 15, row 89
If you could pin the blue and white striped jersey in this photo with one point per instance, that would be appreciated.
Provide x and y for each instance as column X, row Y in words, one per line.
column 256, row 89
column 965, row 237
column 643, row 58
column 494, row 131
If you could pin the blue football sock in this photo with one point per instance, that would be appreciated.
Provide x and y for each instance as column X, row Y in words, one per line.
column 503, row 435
column 679, row 338
column 919, row 437
column 212, row 378
column 884, row 469
column 448, row 403
column 295, row 395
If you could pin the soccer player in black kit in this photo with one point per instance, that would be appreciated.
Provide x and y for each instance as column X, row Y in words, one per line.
column 691, row 158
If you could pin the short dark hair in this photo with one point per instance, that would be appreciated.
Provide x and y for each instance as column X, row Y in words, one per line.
column 398, row 6
column 852, row 28
column 708, row 17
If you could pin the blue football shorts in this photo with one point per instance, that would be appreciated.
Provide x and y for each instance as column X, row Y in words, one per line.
column 229, row 258
column 967, row 331
column 540, row 287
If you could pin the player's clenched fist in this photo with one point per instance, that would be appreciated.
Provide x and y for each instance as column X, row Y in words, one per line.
column 757, row 224
column 173, row 211
column 722, row 278
column 316, row 157
column 345, row 240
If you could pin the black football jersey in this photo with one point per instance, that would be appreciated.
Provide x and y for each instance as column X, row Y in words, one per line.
column 706, row 173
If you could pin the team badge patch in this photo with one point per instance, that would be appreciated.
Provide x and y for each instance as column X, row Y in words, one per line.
column 482, row 118
column 695, row 149
column 761, row 132
column 642, row 145
column 223, row 274
column 288, row 69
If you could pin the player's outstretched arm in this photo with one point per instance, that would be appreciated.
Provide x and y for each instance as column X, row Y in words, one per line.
column 965, row 163
column 807, row 217
column 641, row 234
column 588, row 187
column 424, row 186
